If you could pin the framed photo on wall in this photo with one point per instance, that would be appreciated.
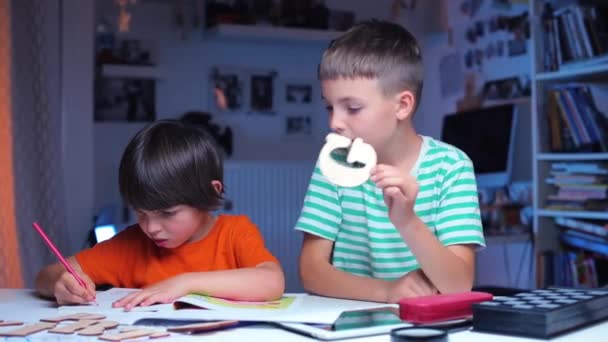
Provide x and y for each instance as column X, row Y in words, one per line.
column 125, row 99
column 227, row 89
column 262, row 92
column 297, row 126
column 298, row 93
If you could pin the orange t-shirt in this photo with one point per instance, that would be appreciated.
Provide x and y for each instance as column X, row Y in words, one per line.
column 131, row 259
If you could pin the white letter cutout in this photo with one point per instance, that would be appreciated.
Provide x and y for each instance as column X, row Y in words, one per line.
column 344, row 175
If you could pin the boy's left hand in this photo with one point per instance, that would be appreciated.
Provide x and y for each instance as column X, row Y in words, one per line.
column 400, row 191
column 164, row 292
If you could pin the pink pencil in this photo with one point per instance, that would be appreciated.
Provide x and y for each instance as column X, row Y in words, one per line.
column 65, row 263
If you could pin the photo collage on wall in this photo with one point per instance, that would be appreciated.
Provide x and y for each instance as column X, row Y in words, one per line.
column 261, row 92
column 298, row 97
column 239, row 90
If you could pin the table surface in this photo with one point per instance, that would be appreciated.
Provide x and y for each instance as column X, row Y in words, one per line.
column 23, row 305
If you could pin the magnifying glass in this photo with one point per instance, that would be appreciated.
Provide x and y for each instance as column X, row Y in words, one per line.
column 418, row 334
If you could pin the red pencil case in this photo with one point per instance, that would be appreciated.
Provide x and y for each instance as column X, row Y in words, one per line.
column 441, row 307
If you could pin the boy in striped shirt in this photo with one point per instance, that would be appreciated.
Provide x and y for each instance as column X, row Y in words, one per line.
column 412, row 228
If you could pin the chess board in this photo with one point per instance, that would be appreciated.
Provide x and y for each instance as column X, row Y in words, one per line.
column 541, row 313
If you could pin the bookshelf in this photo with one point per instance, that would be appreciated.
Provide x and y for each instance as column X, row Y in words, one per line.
column 570, row 143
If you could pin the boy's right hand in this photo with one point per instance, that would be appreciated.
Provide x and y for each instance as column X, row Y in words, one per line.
column 413, row 284
column 68, row 291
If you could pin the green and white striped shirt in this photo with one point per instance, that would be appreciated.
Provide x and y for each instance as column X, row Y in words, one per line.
column 366, row 243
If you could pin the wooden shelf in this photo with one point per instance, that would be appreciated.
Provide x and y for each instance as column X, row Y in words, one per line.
column 572, row 156
column 590, row 215
column 130, row 71
column 272, row 33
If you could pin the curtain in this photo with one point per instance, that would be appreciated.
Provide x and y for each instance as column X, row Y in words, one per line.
column 34, row 131
column 10, row 266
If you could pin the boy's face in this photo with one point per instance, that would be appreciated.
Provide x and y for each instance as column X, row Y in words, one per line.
column 357, row 108
column 173, row 227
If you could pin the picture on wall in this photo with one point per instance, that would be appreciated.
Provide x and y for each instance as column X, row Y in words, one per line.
column 125, row 99
column 298, row 126
column 298, row 94
column 262, row 93
column 227, row 87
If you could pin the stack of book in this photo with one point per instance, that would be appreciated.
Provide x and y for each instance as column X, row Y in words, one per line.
column 579, row 186
column 573, row 33
column 575, row 123
column 584, row 235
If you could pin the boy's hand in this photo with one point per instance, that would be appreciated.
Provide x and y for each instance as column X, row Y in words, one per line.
column 400, row 191
column 413, row 284
column 166, row 291
column 67, row 290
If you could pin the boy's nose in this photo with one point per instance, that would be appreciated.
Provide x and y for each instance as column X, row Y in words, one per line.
column 336, row 125
column 151, row 227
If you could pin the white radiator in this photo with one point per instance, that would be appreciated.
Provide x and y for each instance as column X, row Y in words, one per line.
column 271, row 194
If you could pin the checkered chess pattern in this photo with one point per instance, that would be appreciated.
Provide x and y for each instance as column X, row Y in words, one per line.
column 541, row 313
column 545, row 300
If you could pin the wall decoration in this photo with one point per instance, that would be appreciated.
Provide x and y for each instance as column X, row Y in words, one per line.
column 298, row 126
column 503, row 89
column 125, row 99
column 227, row 85
column 261, row 95
column 299, row 94
column 470, row 7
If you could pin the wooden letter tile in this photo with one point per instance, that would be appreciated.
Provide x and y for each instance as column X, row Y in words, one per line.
column 28, row 329
column 98, row 329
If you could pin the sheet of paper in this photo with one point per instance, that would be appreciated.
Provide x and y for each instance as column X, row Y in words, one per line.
column 106, row 298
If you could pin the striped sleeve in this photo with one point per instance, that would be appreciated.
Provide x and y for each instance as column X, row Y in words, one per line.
column 458, row 216
column 321, row 212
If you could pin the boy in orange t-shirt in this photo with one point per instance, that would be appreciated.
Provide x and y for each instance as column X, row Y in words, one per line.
column 172, row 175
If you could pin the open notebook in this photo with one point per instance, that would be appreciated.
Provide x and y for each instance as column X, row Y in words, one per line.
column 290, row 308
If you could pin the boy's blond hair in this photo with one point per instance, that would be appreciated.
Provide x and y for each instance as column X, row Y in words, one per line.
column 376, row 50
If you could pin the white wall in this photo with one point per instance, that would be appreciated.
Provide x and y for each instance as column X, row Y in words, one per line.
column 77, row 116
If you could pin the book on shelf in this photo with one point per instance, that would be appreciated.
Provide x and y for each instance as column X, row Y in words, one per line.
column 574, row 32
column 566, row 268
column 575, row 123
column 595, row 228
column 578, row 186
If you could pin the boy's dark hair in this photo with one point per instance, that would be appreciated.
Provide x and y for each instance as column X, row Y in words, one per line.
column 376, row 50
column 171, row 163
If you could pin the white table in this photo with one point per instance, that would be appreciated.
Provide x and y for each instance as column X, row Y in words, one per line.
column 23, row 305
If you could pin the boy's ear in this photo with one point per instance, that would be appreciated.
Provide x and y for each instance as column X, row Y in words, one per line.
column 406, row 102
column 217, row 185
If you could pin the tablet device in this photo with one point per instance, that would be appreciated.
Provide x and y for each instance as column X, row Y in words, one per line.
column 351, row 324
column 366, row 322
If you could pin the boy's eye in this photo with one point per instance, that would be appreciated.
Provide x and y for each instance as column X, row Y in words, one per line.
column 329, row 108
column 353, row 110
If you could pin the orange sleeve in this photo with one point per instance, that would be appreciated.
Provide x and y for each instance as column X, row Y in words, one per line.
column 249, row 244
column 109, row 262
